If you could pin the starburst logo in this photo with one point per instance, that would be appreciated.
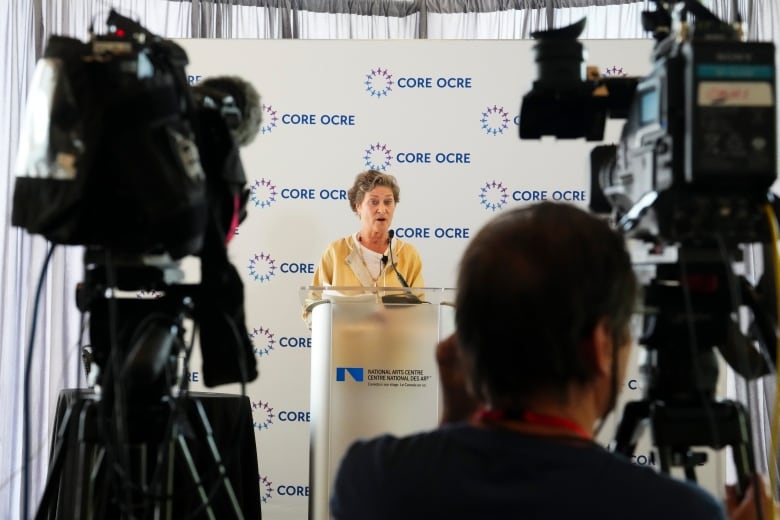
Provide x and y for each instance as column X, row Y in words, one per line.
column 377, row 156
column 494, row 120
column 262, row 340
column 379, row 82
column 262, row 415
column 493, row 195
column 266, row 489
column 262, row 193
column 614, row 71
column 270, row 118
column 262, row 267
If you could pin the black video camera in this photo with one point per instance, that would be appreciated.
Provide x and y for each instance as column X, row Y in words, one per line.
column 698, row 151
column 107, row 153
column 119, row 154
column 693, row 168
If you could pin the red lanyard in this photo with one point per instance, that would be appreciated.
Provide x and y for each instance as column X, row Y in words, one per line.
column 497, row 415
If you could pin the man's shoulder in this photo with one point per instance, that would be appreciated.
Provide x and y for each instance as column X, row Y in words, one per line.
column 633, row 485
column 472, row 460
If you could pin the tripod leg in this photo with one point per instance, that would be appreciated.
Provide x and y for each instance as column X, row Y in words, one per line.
column 96, row 502
column 690, row 473
column 195, row 476
column 741, row 447
column 224, row 478
column 665, row 458
column 631, row 426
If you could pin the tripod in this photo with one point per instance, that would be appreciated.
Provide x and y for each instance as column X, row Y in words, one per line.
column 161, row 477
column 135, row 449
column 692, row 302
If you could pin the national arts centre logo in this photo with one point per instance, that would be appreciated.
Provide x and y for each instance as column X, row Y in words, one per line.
column 262, row 415
column 493, row 195
column 262, row 267
column 262, row 193
column 377, row 157
column 379, row 82
column 262, row 341
column 269, row 120
column 494, row 120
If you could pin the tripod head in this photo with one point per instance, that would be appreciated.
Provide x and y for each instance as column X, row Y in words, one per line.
column 137, row 310
column 693, row 310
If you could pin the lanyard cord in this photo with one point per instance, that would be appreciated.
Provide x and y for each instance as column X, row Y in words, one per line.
column 494, row 415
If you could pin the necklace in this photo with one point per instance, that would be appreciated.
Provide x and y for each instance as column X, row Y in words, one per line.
column 377, row 265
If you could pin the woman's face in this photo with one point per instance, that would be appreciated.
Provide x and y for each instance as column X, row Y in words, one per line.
column 376, row 209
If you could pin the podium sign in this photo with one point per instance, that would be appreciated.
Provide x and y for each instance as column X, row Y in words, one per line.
column 373, row 371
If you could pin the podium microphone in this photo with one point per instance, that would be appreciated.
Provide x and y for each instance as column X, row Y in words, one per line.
column 408, row 297
column 390, row 235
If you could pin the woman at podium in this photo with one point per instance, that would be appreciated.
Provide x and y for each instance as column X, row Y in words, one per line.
column 371, row 256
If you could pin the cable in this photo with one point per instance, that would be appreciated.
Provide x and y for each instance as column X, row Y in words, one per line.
column 27, row 374
column 736, row 303
column 775, row 237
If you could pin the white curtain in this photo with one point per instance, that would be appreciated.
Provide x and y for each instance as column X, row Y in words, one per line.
column 761, row 17
column 25, row 27
column 21, row 259
column 497, row 19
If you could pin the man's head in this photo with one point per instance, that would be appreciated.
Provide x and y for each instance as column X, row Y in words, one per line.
column 536, row 284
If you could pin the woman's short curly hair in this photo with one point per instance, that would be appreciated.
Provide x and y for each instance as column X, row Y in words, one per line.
column 367, row 181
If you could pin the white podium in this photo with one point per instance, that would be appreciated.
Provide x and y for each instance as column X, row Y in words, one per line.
column 373, row 371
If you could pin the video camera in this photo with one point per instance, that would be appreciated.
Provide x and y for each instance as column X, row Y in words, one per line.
column 698, row 152
column 693, row 169
column 119, row 154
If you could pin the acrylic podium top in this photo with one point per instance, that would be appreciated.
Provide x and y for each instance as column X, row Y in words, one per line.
column 312, row 295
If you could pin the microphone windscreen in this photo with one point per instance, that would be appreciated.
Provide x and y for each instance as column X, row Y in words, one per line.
column 390, row 234
column 246, row 99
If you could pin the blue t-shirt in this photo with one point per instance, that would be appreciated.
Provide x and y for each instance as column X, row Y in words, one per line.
column 460, row 471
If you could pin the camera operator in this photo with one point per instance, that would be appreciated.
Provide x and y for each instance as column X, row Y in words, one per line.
column 545, row 295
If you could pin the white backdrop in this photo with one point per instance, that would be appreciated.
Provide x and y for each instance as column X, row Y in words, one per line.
column 439, row 115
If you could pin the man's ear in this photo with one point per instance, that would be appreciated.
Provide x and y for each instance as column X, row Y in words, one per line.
column 600, row 349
